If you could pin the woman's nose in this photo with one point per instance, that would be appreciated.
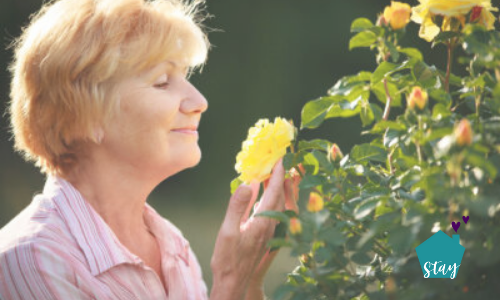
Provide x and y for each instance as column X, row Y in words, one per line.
column 194, row 101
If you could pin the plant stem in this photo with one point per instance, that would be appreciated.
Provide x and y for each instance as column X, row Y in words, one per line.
column 389, row 158
column 388, row 101
column 478, row 103
column 417, row 143
column 450, row 46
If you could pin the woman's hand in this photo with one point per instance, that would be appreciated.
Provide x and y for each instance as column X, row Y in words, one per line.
column 239, row 260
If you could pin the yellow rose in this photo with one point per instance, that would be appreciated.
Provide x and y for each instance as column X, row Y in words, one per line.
column 397, row 15
column 463, row 133
column 315, row 203
column 418, row 98
column 266, row 143
column 428, row 9
column 295, row 226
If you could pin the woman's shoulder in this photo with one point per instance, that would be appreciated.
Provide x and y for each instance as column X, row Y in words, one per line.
column 39, row 223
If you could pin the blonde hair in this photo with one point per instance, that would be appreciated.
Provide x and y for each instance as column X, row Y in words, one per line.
column 68, row 60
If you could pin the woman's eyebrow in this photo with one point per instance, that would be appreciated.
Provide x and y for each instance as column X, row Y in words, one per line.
column 155, row 71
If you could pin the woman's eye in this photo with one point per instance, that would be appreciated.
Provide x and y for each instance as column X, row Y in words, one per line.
column 162, row 82
column 161, row 85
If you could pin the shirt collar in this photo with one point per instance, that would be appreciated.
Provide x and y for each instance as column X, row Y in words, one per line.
column 100, row 245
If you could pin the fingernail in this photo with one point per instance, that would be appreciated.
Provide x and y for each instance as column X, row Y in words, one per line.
column 244, row 192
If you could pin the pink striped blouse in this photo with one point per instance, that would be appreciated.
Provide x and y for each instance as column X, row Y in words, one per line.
column 60, row 248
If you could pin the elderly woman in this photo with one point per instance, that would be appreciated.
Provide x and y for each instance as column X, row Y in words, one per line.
column 100, row 101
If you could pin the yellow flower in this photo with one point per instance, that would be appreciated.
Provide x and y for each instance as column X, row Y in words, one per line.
column 397, row 15
column 315, row 203
column 418, row 97
column 425, row 13
column 295, row 226
column 266, row 143
column 463, row 133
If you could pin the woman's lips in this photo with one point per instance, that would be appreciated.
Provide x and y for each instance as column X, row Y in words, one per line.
column 186, row 131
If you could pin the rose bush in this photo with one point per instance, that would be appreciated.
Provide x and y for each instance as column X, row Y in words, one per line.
column 431, row 161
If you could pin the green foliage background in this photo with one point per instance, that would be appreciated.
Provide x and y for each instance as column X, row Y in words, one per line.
column 271, row 58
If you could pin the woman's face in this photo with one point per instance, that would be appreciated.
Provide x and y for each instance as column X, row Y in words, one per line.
column 156, row 130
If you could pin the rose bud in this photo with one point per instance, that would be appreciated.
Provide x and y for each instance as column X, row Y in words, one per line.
column 418, row 98
column 335, row 152
column 463, row 133
column 295, row 175
column 398, row 14
column 295, row 226
column 381, row 21
column 315, row 203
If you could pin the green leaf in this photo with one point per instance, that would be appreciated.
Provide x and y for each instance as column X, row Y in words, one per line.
column 310, row 181
column 361, row 258
column 362, row 76
column 361, row 24
column 288, row 161
column 441, row 96
column 366, row 114
column 437, row 133
column 292, row 159
column 383, row 209
column 310, row 163
column 481, row 162
column 476, row 40
column 332, row 236
column 383, row 70
column 366, row 207
column 273, row 214
column 367, row 152
column 379, row 91
column 362, row 39
column 382, row 125
column 283, row 292
column 323, row 161
column 424, row 74
column 344, row 109
column 351, row 87
column 314, row 111
column 401, row 239
column 412, row 53
column 445, row 36
column 392, row 50
column 377, row 111
column 391, row 137
column 235, row 183
column 440, row 111
column 318, row 144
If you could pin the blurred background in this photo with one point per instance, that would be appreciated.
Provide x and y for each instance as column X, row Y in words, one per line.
column 269, row 58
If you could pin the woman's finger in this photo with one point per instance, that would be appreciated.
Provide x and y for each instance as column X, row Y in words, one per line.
column 238, row 203
column 290, row 200
column 274, row 198
column 255, row 186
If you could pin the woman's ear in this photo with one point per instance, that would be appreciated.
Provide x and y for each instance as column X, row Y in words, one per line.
column 98, row 135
